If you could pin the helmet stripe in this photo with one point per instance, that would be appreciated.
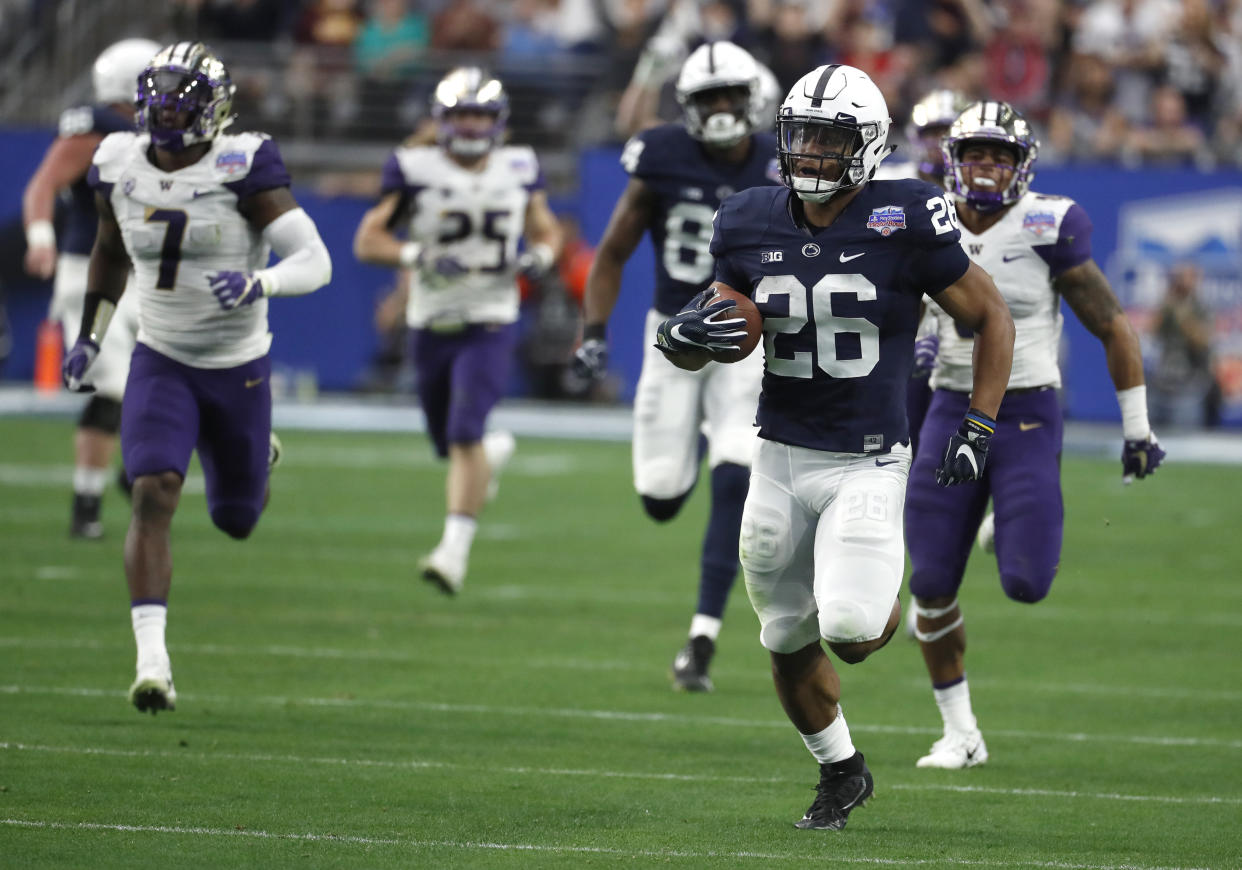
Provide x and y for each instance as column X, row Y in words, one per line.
column 822, row 85
column 711, row 58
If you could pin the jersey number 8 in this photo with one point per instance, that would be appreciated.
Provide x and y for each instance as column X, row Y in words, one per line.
column 687, row 254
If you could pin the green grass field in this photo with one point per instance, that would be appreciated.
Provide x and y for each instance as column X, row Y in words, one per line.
column 336, row 711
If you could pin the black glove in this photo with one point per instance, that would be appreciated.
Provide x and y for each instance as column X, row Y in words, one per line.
column 967, row 452
column 590, row 362
column 693, row 329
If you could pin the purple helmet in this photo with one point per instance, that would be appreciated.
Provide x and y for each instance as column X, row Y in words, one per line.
column 469, row 88
column 930, row 119
column 990, row 122
column 186, row 78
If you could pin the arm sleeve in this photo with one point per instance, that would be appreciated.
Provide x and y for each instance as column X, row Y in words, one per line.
column 304, row 264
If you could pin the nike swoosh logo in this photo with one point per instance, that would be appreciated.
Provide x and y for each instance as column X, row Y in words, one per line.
column 196, row 194
column 963, row 450
column 880, row 464
column 253, row 383
column 845, row 259
column 1008, row 259
column 676, row 333
column 1027, row 427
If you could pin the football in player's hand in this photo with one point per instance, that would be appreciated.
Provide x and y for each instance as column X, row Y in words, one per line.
column 742, row 307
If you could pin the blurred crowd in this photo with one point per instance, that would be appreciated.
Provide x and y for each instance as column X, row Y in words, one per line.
column 1140, row 82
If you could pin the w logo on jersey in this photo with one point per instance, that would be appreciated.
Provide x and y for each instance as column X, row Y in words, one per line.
column 975, row 250
column 887, row 219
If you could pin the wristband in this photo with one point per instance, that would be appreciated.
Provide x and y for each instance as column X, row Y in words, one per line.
column 409, row 254
column 597, row 331
column 40, row 234
column 1134, row 423
column 981, row 419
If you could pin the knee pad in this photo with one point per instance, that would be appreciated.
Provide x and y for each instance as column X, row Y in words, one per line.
column 236, row 522
column 765, row 544
column 101, row 413
column 842, row 621
column 663, row 509
column 1024, row 588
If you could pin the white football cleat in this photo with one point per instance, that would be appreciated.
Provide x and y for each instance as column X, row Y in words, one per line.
column 153, row 688
column 987, row 534
column 446, row 571
column 498, row 447
column 955, row 751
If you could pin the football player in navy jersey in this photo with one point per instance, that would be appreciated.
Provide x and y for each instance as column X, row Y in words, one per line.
column 837, row 265
column 64, row 168
column 1038, row 250
column 679, row 173
column 196, row 212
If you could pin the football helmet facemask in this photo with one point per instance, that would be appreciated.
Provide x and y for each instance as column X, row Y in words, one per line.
column 989, row 122
column 832, row 132
column 185, row 96
column 116, row 70
column 469, row 89
column 712, row 70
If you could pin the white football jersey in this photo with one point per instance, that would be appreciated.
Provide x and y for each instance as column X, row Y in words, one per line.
column 1019, row 252
column 181, row 226
column 474, row 217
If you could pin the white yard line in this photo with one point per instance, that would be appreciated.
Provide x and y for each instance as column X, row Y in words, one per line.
column 621, row 716
column 558, row 848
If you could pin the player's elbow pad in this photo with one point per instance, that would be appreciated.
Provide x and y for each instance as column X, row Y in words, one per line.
column 304, row 264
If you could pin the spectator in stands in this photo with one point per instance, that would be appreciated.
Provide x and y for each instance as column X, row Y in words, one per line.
column 530, row 31
column 319, row 82
column 238, row 20
column 1182, row 381
column 1084, row 124
column 466, row 25
column 1130, row 36
column 1168, row 137
column 1019, row 57
column 791, row 41
column 386, row 53
column 1195, row 59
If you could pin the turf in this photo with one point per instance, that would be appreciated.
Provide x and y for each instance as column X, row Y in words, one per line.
column 335, row 711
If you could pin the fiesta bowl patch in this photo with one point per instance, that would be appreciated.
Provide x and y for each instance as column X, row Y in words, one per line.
column 231, row 162
column 1039, row 222
column 887, row 220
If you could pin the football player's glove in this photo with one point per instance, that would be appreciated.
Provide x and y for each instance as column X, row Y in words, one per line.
column 235, row 289
column 77, row 361
column 536, row 261
column 445, row 266
column 925, row 350
column 967, row 452
column 693, row 329
column 1141, row 458
column 590, row 360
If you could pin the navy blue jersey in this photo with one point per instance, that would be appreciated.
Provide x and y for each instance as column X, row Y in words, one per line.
column 688, row 185
column 77, row 236
column 840, row 305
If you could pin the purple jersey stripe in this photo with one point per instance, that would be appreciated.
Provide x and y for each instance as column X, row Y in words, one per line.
column 267, row 171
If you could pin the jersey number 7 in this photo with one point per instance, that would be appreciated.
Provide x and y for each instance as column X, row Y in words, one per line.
column 170, row 251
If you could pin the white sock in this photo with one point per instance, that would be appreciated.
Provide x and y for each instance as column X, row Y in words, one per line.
column 149, row 623
column 954, row 704
column 833, row 743
column 705, row 626
column 90, row 481
column 458, row 535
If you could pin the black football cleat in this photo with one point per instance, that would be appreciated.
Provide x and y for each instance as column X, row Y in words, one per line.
column 843, row 785
column 85, row 521
column 691, row 663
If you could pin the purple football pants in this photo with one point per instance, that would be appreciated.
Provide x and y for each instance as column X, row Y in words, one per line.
column 1022, row 476
column 461, row 377
column 171, row 408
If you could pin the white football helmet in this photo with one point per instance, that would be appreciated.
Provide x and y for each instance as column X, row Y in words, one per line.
column 117, row 68
column 711, row 67
column 834, row 115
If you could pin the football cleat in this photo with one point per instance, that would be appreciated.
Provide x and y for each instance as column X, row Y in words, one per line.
column 691, row 663
column 153, row 690
column 85, row 522
column 987, row 534
column 956, row 750
column 445, row 571
column 498, row 447
column 274, row 451
column 843, row 785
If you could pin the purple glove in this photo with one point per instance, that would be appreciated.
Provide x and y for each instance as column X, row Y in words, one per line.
column 925, row 350
column 235, row 289
column 1141, row 458
column 77, row 361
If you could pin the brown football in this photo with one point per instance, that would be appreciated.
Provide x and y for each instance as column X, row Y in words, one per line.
column 742, row 307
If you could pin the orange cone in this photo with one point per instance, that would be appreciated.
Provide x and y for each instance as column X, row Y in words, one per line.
column 48, row 351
